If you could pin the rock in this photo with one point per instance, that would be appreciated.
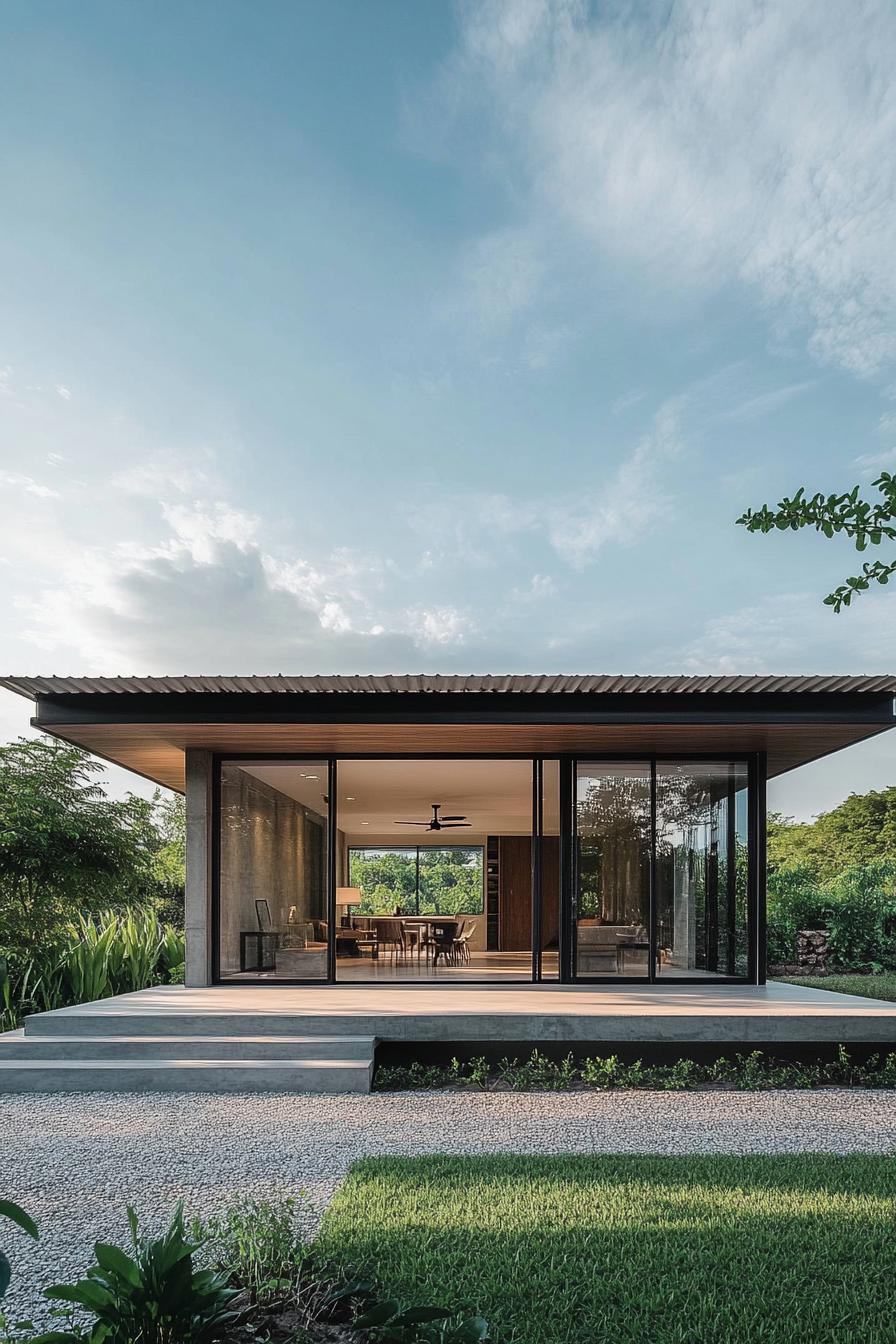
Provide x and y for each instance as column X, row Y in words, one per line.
column 812, row 951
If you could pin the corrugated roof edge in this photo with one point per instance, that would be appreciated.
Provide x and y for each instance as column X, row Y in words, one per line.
column 546, row 684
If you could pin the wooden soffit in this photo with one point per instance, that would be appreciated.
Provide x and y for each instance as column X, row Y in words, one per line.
column 156, row 750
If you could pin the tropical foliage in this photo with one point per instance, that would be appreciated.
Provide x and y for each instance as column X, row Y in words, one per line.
column 154, row 1295
column 836, row 873
column 13, row 1213
column 861, row 830
column 91, row 888
column 864, row 523
column 450, row 880
column 67, row 849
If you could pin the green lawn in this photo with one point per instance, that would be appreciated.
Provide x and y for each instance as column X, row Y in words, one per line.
column 868, row 986
column 613, row 1250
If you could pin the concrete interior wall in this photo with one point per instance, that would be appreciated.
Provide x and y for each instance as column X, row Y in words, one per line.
column 273, row 848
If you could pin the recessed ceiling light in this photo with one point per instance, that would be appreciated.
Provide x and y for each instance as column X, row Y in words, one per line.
column 365, row 823
column 349, row 798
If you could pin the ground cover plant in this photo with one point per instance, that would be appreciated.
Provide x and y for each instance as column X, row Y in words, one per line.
column 245, row 1274
column 558, row 1250
column 744, row 1072
column 866, row 986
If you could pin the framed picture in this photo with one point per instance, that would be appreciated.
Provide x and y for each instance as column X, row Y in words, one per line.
column 263, row 915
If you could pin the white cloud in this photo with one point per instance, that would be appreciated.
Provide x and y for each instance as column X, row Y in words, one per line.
column 870, row 462
column 539, row 587
column 795, row 632
column 15, row 481
column 765, row 402
column 485, row 528
column 622, row 510
column 439, row 625
column 708, row 144
column 63, row 392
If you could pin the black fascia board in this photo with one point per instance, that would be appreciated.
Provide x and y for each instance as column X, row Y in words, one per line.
column 464, row 707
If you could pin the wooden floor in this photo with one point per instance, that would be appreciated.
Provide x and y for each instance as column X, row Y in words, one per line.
column 605, row 1013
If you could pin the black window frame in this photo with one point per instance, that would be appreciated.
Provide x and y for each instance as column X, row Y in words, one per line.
column 756, row 826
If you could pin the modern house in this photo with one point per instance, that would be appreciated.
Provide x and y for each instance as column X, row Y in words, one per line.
column 450, row 832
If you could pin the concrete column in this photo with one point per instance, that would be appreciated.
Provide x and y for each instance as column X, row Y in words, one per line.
column 198, row 895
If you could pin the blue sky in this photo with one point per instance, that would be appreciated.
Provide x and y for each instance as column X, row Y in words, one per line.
column 398, row 336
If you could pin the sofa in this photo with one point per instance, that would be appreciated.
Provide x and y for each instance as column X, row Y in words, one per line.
column 597, row 945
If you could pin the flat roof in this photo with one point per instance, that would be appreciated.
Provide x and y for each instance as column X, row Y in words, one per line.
column 427, row 683
column 146, row 724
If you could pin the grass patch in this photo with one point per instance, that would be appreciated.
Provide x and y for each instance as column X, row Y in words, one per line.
column 866, row 986
column 671, row 1250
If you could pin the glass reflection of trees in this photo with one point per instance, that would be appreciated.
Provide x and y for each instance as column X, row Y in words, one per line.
column 702, row 858
column 613, row 828
column 702, row 867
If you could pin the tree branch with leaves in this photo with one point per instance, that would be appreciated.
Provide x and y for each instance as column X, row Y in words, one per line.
column 866, row 523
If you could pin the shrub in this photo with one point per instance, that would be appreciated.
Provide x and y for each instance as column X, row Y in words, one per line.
column 857, row 907
column 92, row 958
column 256, row 1243
column 154, row 1295
column 746, row 1073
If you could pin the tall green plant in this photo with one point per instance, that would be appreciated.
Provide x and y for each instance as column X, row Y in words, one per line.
column 85, row 963
column 155, row 1295
column 172, row 954
column 139, row 939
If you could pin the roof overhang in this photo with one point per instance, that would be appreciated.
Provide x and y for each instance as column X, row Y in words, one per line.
column 146, row 724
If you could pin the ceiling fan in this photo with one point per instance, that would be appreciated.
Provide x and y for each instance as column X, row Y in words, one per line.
column 437, row 823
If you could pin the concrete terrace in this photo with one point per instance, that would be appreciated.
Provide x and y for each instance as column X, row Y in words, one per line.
column 526, row 1013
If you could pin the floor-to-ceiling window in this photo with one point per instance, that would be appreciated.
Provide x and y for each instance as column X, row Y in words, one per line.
column 420, row 880
column 422, row 900
column 662, row 870
column 272, row 906
column 431, row 870
column 613, row 848
column 702, row 868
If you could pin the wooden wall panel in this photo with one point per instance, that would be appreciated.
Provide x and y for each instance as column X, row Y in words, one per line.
column 514, row 893
column 550, row 891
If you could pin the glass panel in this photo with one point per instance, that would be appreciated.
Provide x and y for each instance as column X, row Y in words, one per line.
column 550, row 871
column 702, row 868
column 613, row 866
column 273, row 882
column 386, row 880
column 429, row 880
column 451, row 880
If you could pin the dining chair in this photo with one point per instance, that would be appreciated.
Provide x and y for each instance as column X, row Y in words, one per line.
column 442, row 933
column 462, row 941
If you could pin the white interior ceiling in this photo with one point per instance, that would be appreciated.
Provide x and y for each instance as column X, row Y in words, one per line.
column 495, row 796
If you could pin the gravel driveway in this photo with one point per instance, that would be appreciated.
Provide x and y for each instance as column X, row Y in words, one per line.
column 76, row 1161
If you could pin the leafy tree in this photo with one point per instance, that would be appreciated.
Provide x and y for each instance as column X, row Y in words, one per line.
column 169, row 856
column 450, row 880
column 65, row 847
column 860, row 831
column 865, row 523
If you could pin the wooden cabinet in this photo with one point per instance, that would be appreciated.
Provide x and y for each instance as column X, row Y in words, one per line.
column 515, row 892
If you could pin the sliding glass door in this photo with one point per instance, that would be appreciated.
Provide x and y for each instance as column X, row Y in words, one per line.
column 662, row 871
column 613, row 866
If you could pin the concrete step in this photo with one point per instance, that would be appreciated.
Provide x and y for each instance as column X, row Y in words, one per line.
column 186, row 1075
column 16, row 1045
column 81, row 1022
